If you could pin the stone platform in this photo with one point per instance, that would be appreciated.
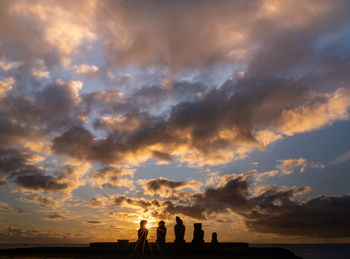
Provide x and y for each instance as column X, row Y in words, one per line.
column 107, row 250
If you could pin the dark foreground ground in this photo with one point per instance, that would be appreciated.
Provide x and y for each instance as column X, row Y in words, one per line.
column 151, row 250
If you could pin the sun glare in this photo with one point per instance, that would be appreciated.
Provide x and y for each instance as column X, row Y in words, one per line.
column 151, row 221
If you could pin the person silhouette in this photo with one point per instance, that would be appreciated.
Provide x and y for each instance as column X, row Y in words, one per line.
column 179, row 229
column 198, row 234
column 142, row 232
column 161, row 232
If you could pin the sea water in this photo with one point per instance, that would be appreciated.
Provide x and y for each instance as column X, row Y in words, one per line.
column 315, row 251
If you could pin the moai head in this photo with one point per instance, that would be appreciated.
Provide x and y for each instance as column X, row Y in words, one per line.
column 143, row 224
column 179, row 221
column 197, row 226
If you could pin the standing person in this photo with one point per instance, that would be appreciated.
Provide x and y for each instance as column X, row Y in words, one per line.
column 179, row 229
column 161, row 233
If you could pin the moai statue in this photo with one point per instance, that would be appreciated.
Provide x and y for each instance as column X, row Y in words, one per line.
column 142, row 232
column 214, row 238
column 198, row 234
column 179, row 229
column 161, row 233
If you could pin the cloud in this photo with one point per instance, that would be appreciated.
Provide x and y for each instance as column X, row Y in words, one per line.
column 225, row 32
column 4, row 206
column 317, row 114
column 111, row 177
column 272, row 209
column 17, row 168
column 17, row 234
column 305, row 218
column 6, row 86
column 340, row 159
column 177, row 118
column 265, row 209
column 34, row 180
column 52, row 33
column 267, row 174
column 166, row 187
column 121, row 200
column 55, row 216
column 223, row 125
column 11, row 160
column 288, row 166
column 41, row 74
column 3, row 182
column 8, row 65
column 33, row 115
column 96, row 203
column 93, row 222
column 46, row 202
column 85, row 69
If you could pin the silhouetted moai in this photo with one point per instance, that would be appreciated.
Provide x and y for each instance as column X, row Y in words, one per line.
column 161, row 232
column 142, row 232
column 179, row 229
column 214, row 238
column 198, row 234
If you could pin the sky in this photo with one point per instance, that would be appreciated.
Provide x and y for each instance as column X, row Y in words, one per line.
column 234, row 114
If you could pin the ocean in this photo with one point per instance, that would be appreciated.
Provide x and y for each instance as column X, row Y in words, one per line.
column 306, row 251
column 315, row 251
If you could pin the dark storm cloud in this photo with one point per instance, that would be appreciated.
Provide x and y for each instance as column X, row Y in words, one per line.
column 153, row 96
column 12, row 159
column 12, row 132
column 161, row 155
column 80, row 143
column 55, row 216
column 93, row 222
column 12, row 162
column 156, row 184
column 193, row 211
column 51, row 107
column 35, row 180
column 316, row 217
column 195, row 126
column 274, row 210
column 267, row 209
column 234, row 194
column 120, row 199
column 16, row 168
column 24, row 120
column 167, row 188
